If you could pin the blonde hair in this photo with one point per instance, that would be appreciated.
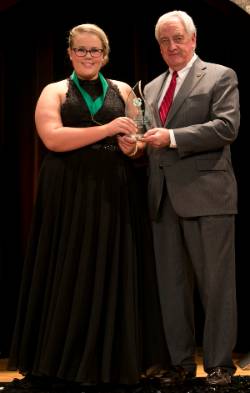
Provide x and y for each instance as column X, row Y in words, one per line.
column 182, row 16
column 93, row 29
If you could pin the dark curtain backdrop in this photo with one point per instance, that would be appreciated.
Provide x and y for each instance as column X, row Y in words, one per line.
column 33, row 54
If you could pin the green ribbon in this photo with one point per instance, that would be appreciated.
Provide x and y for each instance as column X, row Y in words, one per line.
column 93, row 105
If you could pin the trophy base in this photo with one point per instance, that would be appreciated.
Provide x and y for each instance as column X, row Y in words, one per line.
column 137, row 136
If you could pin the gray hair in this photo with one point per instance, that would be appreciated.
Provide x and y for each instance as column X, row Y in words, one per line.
column 93, row 29
column 182, row 16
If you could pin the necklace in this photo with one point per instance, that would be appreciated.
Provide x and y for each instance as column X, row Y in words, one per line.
column 93, row 105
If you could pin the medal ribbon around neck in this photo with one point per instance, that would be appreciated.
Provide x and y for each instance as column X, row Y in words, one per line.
column 93, row 105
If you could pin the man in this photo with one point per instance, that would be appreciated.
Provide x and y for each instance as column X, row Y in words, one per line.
column 193, row 200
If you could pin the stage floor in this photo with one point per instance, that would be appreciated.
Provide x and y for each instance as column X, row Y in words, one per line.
column 240, row 383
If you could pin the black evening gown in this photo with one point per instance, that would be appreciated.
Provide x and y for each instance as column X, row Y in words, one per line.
column 89, row 309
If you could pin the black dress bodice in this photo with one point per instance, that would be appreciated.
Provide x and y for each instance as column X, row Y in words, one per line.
column 75, row 112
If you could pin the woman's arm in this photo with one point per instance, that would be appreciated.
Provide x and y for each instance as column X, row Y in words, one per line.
column 56, row 137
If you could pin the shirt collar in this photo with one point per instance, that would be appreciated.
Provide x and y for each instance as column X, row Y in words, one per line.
column 183, row 72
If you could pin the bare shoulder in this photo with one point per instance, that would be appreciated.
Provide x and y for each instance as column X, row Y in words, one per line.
column 55, row 92
column 56, row 87
column 123, row 87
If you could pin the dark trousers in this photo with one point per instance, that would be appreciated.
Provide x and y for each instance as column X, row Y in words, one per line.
column 201, row 250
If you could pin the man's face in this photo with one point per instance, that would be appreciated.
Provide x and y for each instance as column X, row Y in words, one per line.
column 176, row 45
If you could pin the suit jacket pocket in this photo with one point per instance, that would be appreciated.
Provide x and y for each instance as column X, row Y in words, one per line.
column 211, row 165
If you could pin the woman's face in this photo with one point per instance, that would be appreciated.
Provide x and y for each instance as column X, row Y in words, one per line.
column 87, row 64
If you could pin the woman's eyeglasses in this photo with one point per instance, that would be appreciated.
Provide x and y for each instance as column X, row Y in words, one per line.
column 82, row 52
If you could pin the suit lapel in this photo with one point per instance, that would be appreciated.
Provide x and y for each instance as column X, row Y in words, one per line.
column 196, row 73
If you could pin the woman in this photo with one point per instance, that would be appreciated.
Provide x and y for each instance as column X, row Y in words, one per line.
column 88, row 309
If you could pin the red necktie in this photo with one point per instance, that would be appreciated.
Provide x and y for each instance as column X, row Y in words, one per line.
column 168, row 98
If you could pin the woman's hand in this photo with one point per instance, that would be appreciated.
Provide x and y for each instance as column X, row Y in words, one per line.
column 120, row 126
column 127, row 144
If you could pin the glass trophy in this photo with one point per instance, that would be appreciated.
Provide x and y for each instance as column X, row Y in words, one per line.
column 138, row 109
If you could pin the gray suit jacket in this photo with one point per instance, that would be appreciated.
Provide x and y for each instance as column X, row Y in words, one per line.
column 205, row 118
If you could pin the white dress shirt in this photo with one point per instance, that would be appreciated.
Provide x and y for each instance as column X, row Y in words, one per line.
column 181, row 76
